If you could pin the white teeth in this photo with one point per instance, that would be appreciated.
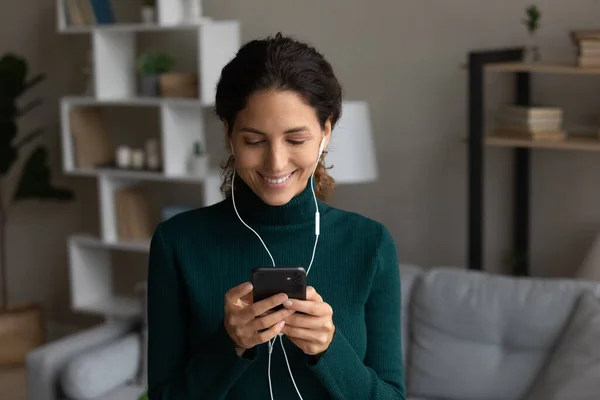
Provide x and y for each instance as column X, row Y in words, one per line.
column 277, row 181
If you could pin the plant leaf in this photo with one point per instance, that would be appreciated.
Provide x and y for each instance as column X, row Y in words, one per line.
column 29, row 137
column 29, row 107
column 35, row 180
column 34, row 81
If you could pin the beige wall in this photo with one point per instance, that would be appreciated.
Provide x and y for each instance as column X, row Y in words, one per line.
column 404, row 58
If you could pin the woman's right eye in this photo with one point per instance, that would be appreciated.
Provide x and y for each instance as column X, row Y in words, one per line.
column 253, row 143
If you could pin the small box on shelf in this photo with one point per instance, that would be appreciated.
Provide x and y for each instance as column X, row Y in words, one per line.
column 133, row 216
column 92, row 145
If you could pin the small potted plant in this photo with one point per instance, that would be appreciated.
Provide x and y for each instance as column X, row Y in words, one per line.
column 150, row 67
column 532, row 23
column 149, row 11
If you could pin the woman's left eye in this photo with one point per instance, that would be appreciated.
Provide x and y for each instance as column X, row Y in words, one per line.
column 297, row 142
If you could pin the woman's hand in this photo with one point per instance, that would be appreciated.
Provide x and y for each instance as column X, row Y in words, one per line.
column 312, row 332
column 241, row 322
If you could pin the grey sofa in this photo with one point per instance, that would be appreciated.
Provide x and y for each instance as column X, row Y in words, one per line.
column 466, row 336
column 45, row 364
column 476, row 336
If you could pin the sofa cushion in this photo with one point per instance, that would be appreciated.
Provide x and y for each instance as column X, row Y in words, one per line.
column 573, row 369
column 102, row 369
column 477, row 336
column 409, row 274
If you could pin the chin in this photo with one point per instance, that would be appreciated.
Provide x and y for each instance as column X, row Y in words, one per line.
column 276, row 200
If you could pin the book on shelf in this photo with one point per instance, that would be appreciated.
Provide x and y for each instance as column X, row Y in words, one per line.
column 531, row 122
column 585, row 34
column 587, row 43
column 92, row 146
column 88, row 12
column 533, row 112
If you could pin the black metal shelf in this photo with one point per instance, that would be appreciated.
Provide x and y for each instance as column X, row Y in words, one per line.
column 477, row 64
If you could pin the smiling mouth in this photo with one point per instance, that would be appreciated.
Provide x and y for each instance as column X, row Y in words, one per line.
column 277, row 181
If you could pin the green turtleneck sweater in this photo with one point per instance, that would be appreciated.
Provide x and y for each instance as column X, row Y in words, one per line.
column 198, row 256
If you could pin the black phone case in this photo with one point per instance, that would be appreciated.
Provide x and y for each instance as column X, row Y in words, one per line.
column 269, row 281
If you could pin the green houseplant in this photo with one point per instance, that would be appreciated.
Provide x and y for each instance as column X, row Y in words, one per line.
column 532, row 23
column 150, row 67
column 23, row 324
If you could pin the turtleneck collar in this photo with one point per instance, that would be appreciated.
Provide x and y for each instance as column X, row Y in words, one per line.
column 253, row 210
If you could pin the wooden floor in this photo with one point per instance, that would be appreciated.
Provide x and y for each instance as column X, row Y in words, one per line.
column 12, row 383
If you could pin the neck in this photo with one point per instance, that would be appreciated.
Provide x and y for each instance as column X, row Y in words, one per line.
column 253, row 210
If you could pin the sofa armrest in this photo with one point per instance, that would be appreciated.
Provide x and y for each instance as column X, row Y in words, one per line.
column 45, row 363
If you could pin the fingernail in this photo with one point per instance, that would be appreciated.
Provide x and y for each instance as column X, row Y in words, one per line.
column 249, row 286
column 287, row 303
column 282, row 297
column 281, row 324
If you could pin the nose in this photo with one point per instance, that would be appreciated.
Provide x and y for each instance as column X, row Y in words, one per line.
column 277, row 159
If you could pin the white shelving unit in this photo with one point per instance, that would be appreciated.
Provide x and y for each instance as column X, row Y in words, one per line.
column 181, row 124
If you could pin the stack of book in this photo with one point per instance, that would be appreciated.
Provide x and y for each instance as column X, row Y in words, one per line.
column 588, row 48
column 88, row 12
column 531, row 122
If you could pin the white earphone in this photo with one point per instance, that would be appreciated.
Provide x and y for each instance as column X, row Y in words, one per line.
column 317, row 233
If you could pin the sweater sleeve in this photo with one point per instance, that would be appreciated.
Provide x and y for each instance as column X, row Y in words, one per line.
column 173, row 373
column 381, row 375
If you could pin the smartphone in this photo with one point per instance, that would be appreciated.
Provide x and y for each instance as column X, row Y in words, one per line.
column 269, row 281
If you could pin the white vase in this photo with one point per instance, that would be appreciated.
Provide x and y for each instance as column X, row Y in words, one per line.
column 148, row 15
column 123, row 157
column 138, row 159
column 152, row 155
column 532, row 49
column 193, row 10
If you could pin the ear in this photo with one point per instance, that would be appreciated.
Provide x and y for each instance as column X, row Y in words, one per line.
column 327, row 133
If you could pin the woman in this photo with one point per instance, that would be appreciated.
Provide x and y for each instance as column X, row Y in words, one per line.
column 279, row 102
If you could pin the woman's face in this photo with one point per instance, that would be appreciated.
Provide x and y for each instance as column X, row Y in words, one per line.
column 276, row 140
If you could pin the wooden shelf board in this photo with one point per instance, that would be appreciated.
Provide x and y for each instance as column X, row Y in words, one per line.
column 551, row 68
column 139, row 175
column 142, row 246
column 134, row 101
column 131, row 27
column 580, row 143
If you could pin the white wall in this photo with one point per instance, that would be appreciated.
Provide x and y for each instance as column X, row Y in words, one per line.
column 404, row 58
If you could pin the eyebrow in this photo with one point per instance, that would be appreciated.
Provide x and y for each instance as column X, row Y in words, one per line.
column 293, row 130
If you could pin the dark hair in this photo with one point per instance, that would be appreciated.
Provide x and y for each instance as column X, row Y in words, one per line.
column 279, row 63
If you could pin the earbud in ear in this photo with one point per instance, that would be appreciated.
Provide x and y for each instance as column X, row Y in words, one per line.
column 231, row 147
column 321, row 147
